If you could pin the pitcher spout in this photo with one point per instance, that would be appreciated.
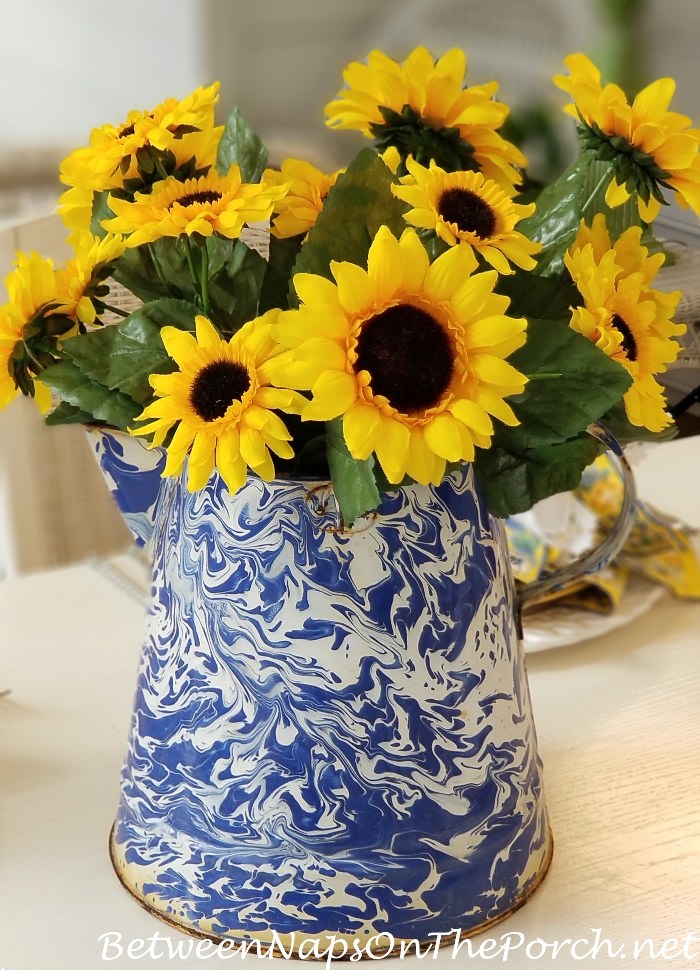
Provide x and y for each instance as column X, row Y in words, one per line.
column 133, row 475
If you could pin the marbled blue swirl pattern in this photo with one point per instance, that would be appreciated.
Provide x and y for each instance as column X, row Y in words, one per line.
column 133, row 475
column 332, row 730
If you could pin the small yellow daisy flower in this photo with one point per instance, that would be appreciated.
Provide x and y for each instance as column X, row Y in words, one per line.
column 307, row 188
column 32, row 291
column 624, row 316
column 466, row 208
column 213, row 203
column 185, row 127
column 81, row 281
column 221, row 404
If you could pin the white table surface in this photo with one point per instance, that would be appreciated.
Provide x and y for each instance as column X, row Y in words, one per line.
column 619, row 729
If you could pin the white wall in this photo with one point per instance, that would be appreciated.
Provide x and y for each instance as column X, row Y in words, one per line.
column 69, row 65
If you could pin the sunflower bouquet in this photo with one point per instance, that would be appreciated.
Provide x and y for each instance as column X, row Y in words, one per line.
column 419, row 309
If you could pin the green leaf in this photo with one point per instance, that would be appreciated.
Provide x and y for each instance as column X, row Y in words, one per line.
column 358, row 204
column 548, row 451
column 512, row 483
column 240, row 145
column 561, row 205
column 278, row 274
column 553, row 409
column 354, row 486
column 538, row 296
column 236, row 275
column 67, row 413
column 100, row 211
column 123, row 357
column 155, row 270
column 160, row 270
column 91, row 397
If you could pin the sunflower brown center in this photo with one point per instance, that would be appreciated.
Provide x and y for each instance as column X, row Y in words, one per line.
column 629, row 344
column 408, row 355
column 216, row 387
column 468, row 211
column 126, row 131
column 199, row 198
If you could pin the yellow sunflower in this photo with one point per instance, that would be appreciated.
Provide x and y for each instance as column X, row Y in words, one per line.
column 466, row 208
column 75, row 210
column 75, row 206
column 184, row 127
column 629, row 320
column 11, row 329
column 412, row 355
column 210, row 204
column 32, row 290
column 180, row 134
column 630, row 256
column 81, row 283
column 221, row 403
column 407, row 104
column 307, row 188
column 650, row 147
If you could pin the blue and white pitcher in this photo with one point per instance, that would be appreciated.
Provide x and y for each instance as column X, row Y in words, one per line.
column 332, row 733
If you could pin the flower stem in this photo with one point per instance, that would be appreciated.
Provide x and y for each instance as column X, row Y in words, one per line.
column 159, row 168
column 204, row 277
column 114, row 309
column 192, row 269
column 37, row 364
column 605, row 177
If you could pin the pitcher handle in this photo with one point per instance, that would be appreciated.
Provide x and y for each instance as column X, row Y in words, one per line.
column 611, row 544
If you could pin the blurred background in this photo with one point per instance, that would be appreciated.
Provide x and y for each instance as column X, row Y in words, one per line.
column 68, row 66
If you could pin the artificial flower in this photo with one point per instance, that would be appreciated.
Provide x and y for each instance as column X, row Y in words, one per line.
column 466, row 208
column 114, row 152
column 624, row 316
column 11, row 329
column 422, row 108
column 221, row 403
column 75, row 209
column 412, row 355
column 650, row 147
column 81, row 283
column 307, row 188
column 212, row 203
column 176, row 137
column 32, row 291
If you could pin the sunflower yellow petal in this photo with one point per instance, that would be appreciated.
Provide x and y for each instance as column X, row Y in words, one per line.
column 472, row 295
column 354, row 290
column 384, row 267
column 360, row 424
column 422, row 464
column 252, row 445
column 177, row 450
column 333, row 393
column 470, row 414
column 452, row 267
column 266, row 468
column 179, row 344
column 616, row 194
column 443, row 437
column 391, row 449
column 414, row 259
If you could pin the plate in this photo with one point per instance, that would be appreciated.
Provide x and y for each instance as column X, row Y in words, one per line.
column 561, row 626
